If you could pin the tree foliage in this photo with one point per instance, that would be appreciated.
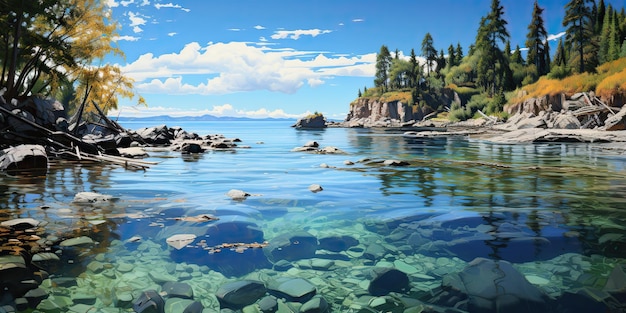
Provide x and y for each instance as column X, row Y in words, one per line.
column 578, row 20
column 537, row 43
column 49, row 47
column 429, row 52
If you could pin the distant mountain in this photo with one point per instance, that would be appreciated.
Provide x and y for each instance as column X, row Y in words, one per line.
column 206, row 117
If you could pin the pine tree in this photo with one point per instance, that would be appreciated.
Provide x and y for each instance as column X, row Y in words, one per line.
column 441, row 62
column 428, row 52
column 537, row 43
column 493, row 70
column 600, row 16
column 614, row 47
column 459, row 53
column 560, row 58
column 383, row 64
column 579, row 30
column 516, row 57
column 451, row 56
column 414, row 70
column 603, row 46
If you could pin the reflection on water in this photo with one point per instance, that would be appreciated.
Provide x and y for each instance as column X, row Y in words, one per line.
column 457, row 200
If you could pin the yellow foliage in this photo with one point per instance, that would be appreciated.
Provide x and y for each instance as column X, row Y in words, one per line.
column 613, row 84
column 402, row 96
column 609, row 79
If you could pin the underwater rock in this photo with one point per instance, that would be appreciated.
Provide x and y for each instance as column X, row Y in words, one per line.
column 282, row 265
column 178, row 290
column 337, row 243
column 292, row 289
column 268, row 304
column 492, row 286
column 240, row 293
column 291, row 246
column 179, row 241
column 82, row 241
column 395, row 163
column 21, row 223
column 173, row 305
column 385, row 280
column 316, row 305
column 149, row 302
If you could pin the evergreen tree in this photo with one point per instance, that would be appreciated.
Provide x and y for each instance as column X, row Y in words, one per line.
column 614, row 46
column 516, row 57
column 600, row 16
column 537, row 43
column 560, row 58
column 413, row 82
column 493, row 72
column 605, row 32
column 507, row 49
column 451, row 56
column 459, row 53
column 579, row 32
column 383, row 64
column 441, row 62
column 360, row 94
column 429, row 52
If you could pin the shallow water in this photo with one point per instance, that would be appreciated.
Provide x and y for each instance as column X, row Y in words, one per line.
column 533, row 205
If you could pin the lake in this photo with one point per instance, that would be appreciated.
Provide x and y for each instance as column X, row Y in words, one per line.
column 555, row 212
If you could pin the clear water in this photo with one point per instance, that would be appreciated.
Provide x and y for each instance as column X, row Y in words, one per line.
column 530, row 204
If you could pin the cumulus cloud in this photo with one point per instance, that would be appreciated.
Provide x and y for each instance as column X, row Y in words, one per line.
column 358, row 20
column 127, row 3
column 126, row 38
column 172, row 34
column 170, row 5
column 236, row 67
column 295, row 34
column 112, row 3
column 259, row 27
column 136, row 20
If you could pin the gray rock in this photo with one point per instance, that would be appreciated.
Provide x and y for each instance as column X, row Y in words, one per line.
column 395, row 163
column 179, row 290
column 82, row 241
column 337, row 243
column 21, row 223
column 236, row 194
column 24, row 158
column 268, row 304
column 316, row 305
column 292, row 289
column 491, row 284
column 315, row 188
column 240, row 293
column 617, row 121
column 149, row 302
column 282, row 265
column 291, row 246
column 311, row 121
column 91, row 197
column 386, row 280
column 175, row 305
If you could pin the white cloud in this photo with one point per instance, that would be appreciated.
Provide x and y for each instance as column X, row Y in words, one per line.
column 552, row 37
column 127, row 3
column 236, row 67
column 262, row 39
column 126, row 38
column 358, row 20
column 172, row 34
column 170, row 5
column 216, row 110
column 295, row 34
column 112, row 3
column 136, row 20
column 259, row 27
column 144, row 3
column 234, row 29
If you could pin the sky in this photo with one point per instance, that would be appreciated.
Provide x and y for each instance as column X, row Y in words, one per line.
column 285, row 58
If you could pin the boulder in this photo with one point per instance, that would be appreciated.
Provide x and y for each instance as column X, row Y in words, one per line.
column 291, row 246
column 337, row 243
column 24, row 159
column 316, row 305
column 311, row 121
column 385, row 280
column 292, row 289
column 149, row 302
column 183, row 306
column 240, row 293
column 91, row 197
column 178, row 290
column 494, row 286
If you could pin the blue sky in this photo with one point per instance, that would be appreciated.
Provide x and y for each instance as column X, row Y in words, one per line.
column 285, row 58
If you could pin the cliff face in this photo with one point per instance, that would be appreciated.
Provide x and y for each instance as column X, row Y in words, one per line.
column 367, row 112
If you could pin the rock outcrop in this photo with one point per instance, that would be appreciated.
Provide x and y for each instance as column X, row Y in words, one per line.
column 311, row 121
column 367, row 112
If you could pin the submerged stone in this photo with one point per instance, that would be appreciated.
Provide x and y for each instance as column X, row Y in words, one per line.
column 337, row 243
column 240, row 293
column 179, row 290
column 291, row 246
column 292, row 289
column 316, row 305
column 183, row 305
column 149, row 302
column 386, row 280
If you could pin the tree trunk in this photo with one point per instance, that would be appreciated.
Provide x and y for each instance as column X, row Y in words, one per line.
column 11, row 89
